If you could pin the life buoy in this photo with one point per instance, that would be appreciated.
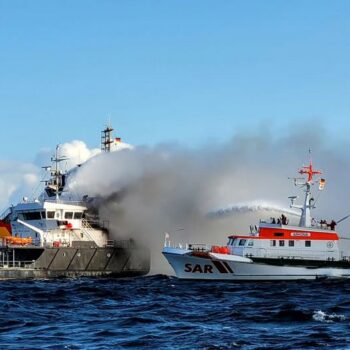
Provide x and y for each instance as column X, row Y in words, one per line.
column 330, row 244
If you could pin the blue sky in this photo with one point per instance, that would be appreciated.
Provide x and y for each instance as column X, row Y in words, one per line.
column 184, row 71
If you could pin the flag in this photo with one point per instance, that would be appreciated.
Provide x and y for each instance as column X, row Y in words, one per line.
column 321, row 185
column 167, row 236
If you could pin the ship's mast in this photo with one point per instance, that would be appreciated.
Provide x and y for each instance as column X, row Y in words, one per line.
column 305, row 219
column 57, row 178
column 106, row 139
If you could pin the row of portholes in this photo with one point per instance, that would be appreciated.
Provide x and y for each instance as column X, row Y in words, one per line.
column 79, row 254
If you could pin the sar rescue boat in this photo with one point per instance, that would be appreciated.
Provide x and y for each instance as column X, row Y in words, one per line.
column 274, row 250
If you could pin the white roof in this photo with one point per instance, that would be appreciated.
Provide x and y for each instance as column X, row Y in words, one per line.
column 48, row 205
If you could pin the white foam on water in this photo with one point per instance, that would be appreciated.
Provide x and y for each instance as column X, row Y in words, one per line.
column 328, row 318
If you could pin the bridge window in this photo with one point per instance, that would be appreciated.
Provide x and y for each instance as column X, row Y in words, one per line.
column 278, row 234
column 43, row 214
column 242, row 242
column 78, row 215
column 68, row 215
column 273, row 243
column 250, row 243
column 291, row 243
column 50, row 214
column 307, row 243
column 34, row 215
column 230, row 242
column 281, row 243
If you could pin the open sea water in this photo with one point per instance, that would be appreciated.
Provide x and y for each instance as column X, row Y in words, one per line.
column 161, row 312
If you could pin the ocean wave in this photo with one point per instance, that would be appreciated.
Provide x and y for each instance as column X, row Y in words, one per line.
column 328, row 318
column 158, row 312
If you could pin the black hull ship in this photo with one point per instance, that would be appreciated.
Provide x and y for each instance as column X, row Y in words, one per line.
column 51, row 237
column 33, row 262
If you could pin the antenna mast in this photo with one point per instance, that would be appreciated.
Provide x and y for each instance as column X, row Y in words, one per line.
column 56, row 183
column 106, row 139
column 305, row 219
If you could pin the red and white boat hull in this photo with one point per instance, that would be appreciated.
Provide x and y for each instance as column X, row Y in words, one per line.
column 237, row 268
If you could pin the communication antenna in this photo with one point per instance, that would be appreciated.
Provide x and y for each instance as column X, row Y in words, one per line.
column 106, row 139
column 57, row 178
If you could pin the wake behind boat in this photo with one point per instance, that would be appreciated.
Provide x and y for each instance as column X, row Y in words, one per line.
column 271, row 251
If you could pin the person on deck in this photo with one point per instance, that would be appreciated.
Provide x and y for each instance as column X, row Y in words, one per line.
column 284, row 220
column 332, row 225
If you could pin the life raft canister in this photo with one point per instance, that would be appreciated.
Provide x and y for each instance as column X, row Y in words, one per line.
column 220, row 250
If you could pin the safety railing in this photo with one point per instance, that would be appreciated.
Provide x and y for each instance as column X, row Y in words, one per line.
column 19, row 264
column 188, row 246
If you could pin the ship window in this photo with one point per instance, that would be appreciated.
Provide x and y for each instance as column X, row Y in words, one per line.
column 278, row 234
column 307, row 243
column 242, row 242
column 291, row 243
column 34, row 215
column 250, row 243
column 78, row 215
column 50, row 214
column 273, row 243
column 281, row 243
column 43, row 215
column 68, row 215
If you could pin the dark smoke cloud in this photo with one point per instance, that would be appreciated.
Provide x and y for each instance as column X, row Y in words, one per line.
column 148, row 191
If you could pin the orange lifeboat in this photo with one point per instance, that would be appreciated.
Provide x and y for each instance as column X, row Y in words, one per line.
column 18, row 240
column 5, row 229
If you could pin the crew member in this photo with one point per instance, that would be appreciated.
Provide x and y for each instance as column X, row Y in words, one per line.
column 332, row 225
column 284, row 220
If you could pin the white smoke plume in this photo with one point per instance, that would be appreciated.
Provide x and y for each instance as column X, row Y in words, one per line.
column 76, row 152
column 148, row 191
column 17, row 180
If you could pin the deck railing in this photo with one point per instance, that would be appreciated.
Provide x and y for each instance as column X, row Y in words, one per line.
column 19, row 264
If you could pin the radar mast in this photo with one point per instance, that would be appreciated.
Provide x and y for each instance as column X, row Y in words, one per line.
column 305, row 219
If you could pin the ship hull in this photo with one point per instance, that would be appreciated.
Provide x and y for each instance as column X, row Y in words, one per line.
column 33, row 262
column 227, row 268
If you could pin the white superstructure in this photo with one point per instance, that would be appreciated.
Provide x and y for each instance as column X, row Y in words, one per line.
column 51, row 221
